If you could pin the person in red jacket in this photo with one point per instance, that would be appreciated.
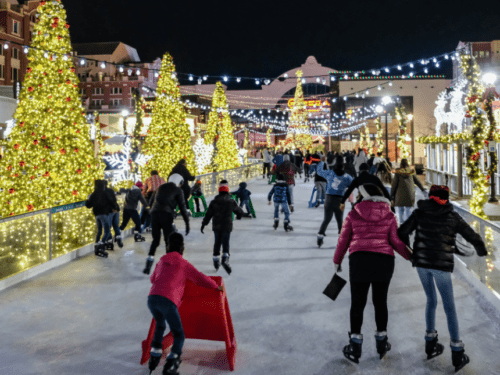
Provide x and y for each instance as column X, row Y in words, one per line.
column 169, row 279
column 370, row 234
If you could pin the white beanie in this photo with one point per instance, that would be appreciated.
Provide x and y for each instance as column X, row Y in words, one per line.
column 176, row 179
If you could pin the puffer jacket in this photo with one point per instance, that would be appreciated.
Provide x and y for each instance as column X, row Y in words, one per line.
column 167, row 198
column 242, row 193
column 133, row 197
column 102, row 200
column 288, row 169
column 370, row 227
column 403, row 187
column 221, row 210
column 436, row 228
column 281, row 193
column 337, row 181
column 278, row 160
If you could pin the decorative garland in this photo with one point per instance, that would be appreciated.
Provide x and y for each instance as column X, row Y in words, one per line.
column 403, row 124
column 268, row 137
column 369, row 144
column 489, row 97
column 450, row 138
column 380, row 132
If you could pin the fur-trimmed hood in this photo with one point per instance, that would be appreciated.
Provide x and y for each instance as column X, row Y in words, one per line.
column 405, row 172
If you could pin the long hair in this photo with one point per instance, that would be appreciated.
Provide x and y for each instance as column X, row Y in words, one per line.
column 404, row 163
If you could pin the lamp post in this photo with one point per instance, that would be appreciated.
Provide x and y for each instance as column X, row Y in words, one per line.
column 385, row 101
column 489, row 79
column 410, row 118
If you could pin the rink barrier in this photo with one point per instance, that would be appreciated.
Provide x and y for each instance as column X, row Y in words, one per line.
column 205, row 315
column 312, row 202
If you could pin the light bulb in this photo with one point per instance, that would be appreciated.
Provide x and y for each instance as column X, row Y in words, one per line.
column 399, row 67
column 238, row 79
column 82, row 62
column 225, row 78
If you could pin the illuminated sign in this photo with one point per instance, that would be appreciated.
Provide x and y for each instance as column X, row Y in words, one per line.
column 315, row 105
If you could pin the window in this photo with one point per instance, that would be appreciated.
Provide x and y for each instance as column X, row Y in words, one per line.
column 16, row 27
column 116, row 91
column 116, row 102
column 2, row 71
column 481, row 53
column 96, row 103
column 15, row 53
column 487, row 53
column 15, row 74
column 1, row 49
column 97, row 91
column 82, row 91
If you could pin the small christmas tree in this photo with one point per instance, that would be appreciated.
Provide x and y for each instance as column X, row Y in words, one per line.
column 403, row 124
column 220, row 130
column 298, row 132
column 169, row 138
column 380, row 132
column 49, row 157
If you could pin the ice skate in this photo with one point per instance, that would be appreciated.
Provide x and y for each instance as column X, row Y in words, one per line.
column 432, row 347
column 383, row 345
column 225, row 264
column 288, row 227
column 149, row 230
column 458, row 357
column 172, row 365
column 99, row 250
column 138, row 237
column 353, row 351
column 118, row 240
column 276, row 223
column 109, row 245
column 317, row 204
column 216, row 263
column 149, row 264
column 154, row 359
column 320, row 239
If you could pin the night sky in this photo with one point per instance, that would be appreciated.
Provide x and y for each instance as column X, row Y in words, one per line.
column 260, row 38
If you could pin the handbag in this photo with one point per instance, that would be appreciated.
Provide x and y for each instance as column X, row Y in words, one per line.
column 335, row 286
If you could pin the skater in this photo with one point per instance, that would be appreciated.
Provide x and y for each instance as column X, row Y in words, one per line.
column 196, row 192
column 359, row 159
column 436, row 224
column 134, row 195
column 281, row 192
column 288, row 169
column 307, row 165
column 114, row 222
column 181, row 169
column 299, row 160
column 103, row 203
column 403, row 190
column 243, row 195
column 221, row 209
column 167, row 198
column 370, row 234
column 278, row 159
column 320, row 185
column 150, row 187
column 267, row 163
column 337, row 183
column 315, row 159
column 364, row 178
column 384, row 170
column 169, row 279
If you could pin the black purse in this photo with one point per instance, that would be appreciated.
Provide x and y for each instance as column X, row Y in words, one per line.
column 333, row 289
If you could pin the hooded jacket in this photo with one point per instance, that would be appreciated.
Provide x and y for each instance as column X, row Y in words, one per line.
column 337, row 181
column 359, row 159
column 167, row 198
column 436, row 228
column 102, row 200
column 370, row 227
column 288, row 169
column 403, row 187
column 281, row 193
column 266, row 156
column 221, row 210
column 182, row 170
column 242, row 193
column 365, row 178
column 196, row 190
column 133, row 197
column 170, row 276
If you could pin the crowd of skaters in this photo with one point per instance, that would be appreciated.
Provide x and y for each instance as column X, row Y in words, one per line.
column 370, row 232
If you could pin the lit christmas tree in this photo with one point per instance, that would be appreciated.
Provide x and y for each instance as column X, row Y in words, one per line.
column 404, row 149
column 380, row 133
column 268, row 137
column 298, row 131
column 168, row 139
column 220, row 129
column 49, row 159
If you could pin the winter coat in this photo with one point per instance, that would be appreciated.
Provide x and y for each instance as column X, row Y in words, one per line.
column 102, row 200
column 336, row 181
column 372, row 227
column 196, row 190
column 359, row 159
column 299, row 159
column 278, row 160
column 167, row 198
column 133, row 197
column 288, row 170
column 267, row 157
column 365, row 178
column 153, row 183
column 403, row 187
column 181, row 169
column 281, row 193
column 349, row 168
column 436, row 228
column 170, row 275
column 317, row 177
column 221, row 209
column 242, row 193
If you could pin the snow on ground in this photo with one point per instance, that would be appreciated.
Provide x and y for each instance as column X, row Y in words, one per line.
column 90, row 316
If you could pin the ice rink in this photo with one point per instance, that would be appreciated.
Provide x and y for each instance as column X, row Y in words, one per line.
column 90, row 316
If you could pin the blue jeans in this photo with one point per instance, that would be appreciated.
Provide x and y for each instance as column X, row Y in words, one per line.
column 115, row 223
column 284, row 206
column 445, row 287
column 221, row 239
column 165, row 310
column 403, row 213
column 313, row 168
column 103, row 221
column 246, row 202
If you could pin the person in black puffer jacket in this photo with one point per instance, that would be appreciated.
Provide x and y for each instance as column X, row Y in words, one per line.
column 221, row 209
column 181, row 169
column 132, row 198
column 436, row 224
column 167, row 198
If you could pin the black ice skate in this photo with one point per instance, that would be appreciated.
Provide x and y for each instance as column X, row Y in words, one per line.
column 320, row 239
column 225, row 264
column 109, row 245
column 216, row 263
column 149, row 230
column 149, row 264
column 353, row 351
column 317, row 204
column 154, row 359
column 138, row 237
column 172, row 365
column 383, row 345
column 99, row 250
column 432, row 347
column 118, row 240
column 276, row 223
column 288, row 227
column 458, row 357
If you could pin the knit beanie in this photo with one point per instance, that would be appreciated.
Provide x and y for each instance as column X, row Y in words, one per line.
column 139, row 184
column 224, row 186
column 439, row 193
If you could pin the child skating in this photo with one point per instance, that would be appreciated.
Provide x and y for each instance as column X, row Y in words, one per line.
column 281, row 192
column 243, row 195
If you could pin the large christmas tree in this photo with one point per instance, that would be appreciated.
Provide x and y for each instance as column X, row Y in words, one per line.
column 49, row 157
column 168, row 139
column 220, row 129
column 298, row 132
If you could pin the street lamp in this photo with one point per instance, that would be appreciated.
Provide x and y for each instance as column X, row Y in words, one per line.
column 410, row 118
column 489, row 79
column 385, row 101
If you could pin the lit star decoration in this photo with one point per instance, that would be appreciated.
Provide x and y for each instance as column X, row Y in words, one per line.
column 50, row 141
column 298, row 132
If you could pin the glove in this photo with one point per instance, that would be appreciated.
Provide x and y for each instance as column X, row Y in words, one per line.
column 338, row 268
column 291, row 208
column 238, row 217
column 202, row 227
column 187, row 229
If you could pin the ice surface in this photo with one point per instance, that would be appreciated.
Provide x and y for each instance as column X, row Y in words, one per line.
column 90, row 316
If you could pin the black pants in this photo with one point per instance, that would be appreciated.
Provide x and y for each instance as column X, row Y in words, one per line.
column 160, row 221
column 131, row 214
column 196, row 198
column 221, row 239
column 359, row 296
column 306, row 170
column 332, row 206
column 267, row 167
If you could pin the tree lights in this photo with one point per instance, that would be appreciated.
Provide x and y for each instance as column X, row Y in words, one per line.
column 380, row 133
column 298, row 132
column 403, row 124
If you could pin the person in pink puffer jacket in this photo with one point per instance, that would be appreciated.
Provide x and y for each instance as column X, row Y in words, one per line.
column 370, row 234
column 169, row 279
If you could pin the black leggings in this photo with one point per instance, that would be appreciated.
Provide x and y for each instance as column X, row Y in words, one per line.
column 332, row 206
column 160, row 221
column 359, row 296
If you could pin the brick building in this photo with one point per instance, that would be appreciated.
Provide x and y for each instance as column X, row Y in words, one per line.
column 487, row 55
